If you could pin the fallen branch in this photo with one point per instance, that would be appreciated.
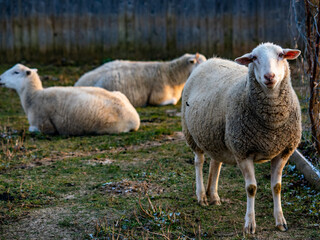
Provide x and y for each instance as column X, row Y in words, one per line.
column 306, row 168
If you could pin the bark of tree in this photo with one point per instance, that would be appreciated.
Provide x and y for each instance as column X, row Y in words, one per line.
column 313, row 41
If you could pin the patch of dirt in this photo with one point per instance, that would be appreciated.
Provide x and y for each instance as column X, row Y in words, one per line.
column 54, row 156
column 175, row 137
column 63, row 223
column 271, row 232
column 45, row 224
column 132, row 188
column 58, row 156
column 67, row 223
column 95, row 161
column 173, row 113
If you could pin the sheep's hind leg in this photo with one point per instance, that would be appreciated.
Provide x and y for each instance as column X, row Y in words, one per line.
column 277, row 165
column 247, row 169
column 200, row 190
column 212, row 187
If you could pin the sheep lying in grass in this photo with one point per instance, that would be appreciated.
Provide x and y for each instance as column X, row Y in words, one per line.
column 242, row 116
column 70, row 110
column 144, row 83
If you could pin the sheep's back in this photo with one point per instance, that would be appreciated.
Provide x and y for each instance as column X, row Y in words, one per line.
column 92, row 77
column 214, row 76
column 86, row 110
column 133, row 79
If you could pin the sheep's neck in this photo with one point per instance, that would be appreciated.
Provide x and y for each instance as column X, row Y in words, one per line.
column 177, row 71
column 272, row 110
column 28, row 92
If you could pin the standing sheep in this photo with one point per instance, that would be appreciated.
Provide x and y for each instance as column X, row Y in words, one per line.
column 239, row 115
column 70, row 110
column 144, row 83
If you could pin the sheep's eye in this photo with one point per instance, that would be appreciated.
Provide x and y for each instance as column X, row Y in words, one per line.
column 254, row 58
column 15, row 72
column 281, row 55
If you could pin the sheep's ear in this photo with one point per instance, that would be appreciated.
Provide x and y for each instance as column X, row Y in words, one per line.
column 291, row 54
column 197, row 57
column 34, row 69
column 245, row 59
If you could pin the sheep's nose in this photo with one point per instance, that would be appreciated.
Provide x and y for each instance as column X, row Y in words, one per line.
column 269, row 76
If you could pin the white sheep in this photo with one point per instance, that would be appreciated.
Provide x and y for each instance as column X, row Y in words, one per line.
column 144, row 83
column 239, row 115
column 70, row 110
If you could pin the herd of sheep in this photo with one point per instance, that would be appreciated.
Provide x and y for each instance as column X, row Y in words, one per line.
column 241, row 112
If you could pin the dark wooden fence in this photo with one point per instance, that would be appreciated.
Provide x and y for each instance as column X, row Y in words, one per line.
column 95, row 30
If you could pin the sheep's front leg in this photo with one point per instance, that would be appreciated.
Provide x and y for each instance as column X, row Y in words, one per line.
column 247, row 169
column 212, row 187
column 171, row 101
column 201, row 194
column 277, row 165
column 33, row 123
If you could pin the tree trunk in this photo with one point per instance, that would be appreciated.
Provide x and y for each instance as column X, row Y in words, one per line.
column 314, row 104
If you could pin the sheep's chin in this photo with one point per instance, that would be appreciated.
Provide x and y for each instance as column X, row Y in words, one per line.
column 269, row 85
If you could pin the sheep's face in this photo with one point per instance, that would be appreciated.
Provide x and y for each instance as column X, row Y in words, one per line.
column 15, row 77
column 269, row 63
column 195, row 59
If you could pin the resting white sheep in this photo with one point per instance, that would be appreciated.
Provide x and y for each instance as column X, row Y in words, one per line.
column 144, row 83
column 242, row 116
column 70, row 110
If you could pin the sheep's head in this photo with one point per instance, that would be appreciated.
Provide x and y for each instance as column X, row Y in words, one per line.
column 195, row 59
column 16, row 76
column 269, row 63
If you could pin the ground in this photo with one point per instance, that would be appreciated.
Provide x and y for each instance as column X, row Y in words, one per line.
column 138, row 185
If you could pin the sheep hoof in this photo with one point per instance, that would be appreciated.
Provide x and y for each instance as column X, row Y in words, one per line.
column 250, row 224
column 281, row 223
column 249, row 230
column 282, row 227
column 214, row 198
column 203, row 203
column 215, row 202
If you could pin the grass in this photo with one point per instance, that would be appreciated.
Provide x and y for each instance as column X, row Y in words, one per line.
column 138, row 185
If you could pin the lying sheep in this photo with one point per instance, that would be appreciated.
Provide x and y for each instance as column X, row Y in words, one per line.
column 70, row 110
column 239, row 115
column 144, row 83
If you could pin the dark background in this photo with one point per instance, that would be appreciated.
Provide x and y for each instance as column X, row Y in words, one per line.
column 98, row 30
